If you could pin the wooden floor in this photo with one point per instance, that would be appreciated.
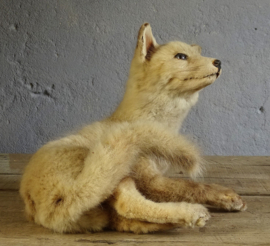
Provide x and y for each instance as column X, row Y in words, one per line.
column 249, row 176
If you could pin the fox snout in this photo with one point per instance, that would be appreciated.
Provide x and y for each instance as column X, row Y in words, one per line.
column 217, row 63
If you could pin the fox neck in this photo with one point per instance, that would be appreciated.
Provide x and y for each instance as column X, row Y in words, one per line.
column 159, row 107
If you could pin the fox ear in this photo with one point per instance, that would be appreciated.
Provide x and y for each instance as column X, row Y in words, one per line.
column 146, row 43
column 197, row 47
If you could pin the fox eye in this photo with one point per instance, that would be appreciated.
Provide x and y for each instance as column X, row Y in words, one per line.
column 181, row 56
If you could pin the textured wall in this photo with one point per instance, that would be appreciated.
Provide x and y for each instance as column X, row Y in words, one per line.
column 64, row 64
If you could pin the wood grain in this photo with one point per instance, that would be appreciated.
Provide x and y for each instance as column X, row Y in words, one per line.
column 244, row 228
column 250, row 176
column 247, row 175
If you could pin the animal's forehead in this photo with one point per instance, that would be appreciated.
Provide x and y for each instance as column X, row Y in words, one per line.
column 179, row 47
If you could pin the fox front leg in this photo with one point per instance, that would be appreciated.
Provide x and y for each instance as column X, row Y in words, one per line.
column 154, row 186
column 159, row 142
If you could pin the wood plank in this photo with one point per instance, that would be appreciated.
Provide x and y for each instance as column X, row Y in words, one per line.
column 244, row 187
column 11, row 169
column 10, row 182
column 247, row 175
column 15, row 163
column 246, row 228
column 239, row 160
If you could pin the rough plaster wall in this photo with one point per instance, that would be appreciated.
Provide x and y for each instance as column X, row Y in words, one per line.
column 64, row 64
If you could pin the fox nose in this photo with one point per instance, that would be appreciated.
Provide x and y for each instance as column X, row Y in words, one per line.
column 217, row 63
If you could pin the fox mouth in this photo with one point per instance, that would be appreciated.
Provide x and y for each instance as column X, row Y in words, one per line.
column 207, row 76
column 212, row 74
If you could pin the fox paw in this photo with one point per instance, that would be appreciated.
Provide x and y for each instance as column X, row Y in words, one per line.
column 228, row 199
column 198, row 216
column 233, row 202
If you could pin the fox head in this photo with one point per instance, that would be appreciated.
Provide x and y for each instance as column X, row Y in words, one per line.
column 164, row 80
column 175, row 68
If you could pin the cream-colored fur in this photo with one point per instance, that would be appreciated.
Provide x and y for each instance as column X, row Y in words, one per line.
column 112, row 173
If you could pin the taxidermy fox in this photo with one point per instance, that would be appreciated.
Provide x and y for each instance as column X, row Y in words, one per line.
column 112, row 173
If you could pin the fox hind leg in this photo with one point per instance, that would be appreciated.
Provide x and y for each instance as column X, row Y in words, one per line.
column 122, row 224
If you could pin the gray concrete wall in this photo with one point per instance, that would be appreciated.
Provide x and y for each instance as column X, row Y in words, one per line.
column 64, row 64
